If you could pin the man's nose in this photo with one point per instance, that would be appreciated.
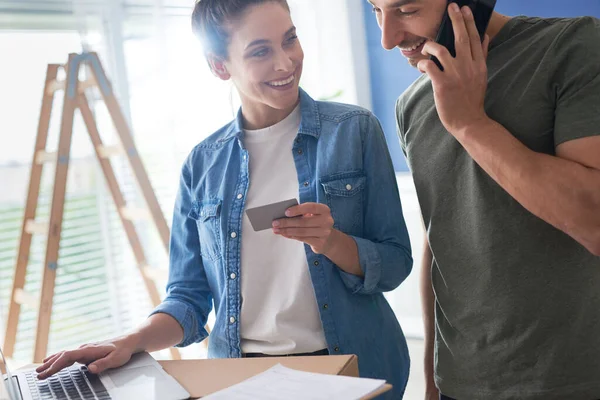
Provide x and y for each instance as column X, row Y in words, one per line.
column 391, row 33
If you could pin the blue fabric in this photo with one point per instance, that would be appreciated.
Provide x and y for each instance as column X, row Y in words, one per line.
column 341, row 145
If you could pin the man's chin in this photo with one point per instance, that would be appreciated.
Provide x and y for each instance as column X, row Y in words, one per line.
column 413, row 61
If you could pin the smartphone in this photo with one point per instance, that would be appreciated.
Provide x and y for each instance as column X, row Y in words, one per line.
column 482, row 12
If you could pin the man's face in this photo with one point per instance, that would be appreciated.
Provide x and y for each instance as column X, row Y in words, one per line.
column 408, row 24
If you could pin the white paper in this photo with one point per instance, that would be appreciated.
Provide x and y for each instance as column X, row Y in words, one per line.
column 280, row 382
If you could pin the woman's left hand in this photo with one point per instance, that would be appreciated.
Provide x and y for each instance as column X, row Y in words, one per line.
column 310, row 223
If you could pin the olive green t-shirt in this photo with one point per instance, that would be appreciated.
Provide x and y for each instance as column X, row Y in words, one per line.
column 517, row 301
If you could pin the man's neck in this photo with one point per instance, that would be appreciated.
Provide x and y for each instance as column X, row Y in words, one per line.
column 497, row 22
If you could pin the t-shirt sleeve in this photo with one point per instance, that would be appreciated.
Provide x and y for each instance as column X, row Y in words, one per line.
column 577, row 81
column 400, row 125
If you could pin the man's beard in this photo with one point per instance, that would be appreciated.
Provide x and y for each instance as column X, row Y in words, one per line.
column 413, row 62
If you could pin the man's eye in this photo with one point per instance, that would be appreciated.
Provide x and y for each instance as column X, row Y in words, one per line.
column 405, row 13
column 376, row 10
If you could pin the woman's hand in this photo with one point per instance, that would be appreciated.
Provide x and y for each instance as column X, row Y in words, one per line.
column 310, row 223
column 98, row 356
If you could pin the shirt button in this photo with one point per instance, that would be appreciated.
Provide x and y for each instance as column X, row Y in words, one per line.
column 232, row 320
column 316, row 263
column 233, row 276
column 239, row 196
column 336, row 349
column 233, row 235
column 306, row 184
column 325, row 306
column 348, row 187
column 300, row 151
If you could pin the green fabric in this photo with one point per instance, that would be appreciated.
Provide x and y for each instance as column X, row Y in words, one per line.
column 518, row 301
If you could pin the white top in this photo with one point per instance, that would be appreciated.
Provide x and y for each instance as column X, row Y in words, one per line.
column 279, row 312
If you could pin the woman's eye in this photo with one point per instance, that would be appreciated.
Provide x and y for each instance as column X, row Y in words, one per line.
column 376, row 10
column 260, row 53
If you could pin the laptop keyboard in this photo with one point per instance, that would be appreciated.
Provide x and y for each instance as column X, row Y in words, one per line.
column 73, row 383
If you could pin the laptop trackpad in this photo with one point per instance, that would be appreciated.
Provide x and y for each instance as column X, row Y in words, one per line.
column 135, row 376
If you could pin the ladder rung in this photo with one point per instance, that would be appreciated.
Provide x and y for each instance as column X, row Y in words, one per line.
column 57, row 85
column 25, row 299
column 109, row 151
column 32, row 227
column 42, row 157
column 135, row 214
column 88, row 83
column 156, row 274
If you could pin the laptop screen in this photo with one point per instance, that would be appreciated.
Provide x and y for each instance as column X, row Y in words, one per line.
column 9, row 388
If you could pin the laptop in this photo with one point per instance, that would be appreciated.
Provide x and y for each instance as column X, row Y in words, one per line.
column 141, row 378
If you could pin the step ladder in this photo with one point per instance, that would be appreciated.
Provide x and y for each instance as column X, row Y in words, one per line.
column 75, row 98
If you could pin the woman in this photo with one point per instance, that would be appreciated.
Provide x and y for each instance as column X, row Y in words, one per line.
column 313, row 283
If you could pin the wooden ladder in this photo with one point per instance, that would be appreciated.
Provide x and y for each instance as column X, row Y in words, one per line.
column 74, row 98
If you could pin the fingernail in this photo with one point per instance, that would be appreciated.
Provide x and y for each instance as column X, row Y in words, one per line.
column 466, row 11
column 276, row 223
column 93, row 368
column 288, row 213
column 454, row 7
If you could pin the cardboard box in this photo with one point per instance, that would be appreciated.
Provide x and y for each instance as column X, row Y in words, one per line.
column 203, row 377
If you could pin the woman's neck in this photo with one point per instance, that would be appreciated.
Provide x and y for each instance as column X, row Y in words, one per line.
column 260, row 116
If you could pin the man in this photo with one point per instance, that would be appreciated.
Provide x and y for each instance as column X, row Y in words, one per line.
column 504, row 147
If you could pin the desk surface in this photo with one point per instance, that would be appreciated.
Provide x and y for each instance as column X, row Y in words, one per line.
column 205, row 376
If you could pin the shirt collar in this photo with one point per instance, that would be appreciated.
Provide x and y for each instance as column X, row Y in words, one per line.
column 310, row 121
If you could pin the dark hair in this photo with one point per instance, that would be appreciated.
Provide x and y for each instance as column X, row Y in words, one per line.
column 210, row 17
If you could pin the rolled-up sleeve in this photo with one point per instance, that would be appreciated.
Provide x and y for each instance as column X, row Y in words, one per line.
column 384, row 251
column 189, row 298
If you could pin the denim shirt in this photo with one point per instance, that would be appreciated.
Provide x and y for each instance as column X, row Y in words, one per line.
column 342, row 161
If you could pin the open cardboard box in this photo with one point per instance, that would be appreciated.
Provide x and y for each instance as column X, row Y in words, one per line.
column 203, row 377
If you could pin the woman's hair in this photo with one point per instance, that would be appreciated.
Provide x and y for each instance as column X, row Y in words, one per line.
column 210, row 18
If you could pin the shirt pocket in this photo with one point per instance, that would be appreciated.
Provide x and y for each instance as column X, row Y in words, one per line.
column 345, row 194
column 208, row 222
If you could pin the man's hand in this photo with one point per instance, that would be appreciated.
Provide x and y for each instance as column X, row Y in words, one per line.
column 310, row 223
column 459, row 90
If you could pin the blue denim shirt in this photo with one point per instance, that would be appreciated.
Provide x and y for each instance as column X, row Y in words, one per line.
column 342, row 160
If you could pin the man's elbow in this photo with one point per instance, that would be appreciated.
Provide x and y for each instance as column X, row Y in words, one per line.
column 593, row 240
column 594, row 247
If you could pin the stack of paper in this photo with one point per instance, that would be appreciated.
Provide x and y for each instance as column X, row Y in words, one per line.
column 280, row 382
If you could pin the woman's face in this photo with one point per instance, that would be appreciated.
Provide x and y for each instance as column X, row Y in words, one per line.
column 265, row 58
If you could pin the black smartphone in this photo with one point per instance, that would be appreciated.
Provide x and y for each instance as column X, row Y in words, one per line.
column 482, row 12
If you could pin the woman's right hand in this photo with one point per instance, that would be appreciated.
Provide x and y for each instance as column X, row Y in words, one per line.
column 97, row 356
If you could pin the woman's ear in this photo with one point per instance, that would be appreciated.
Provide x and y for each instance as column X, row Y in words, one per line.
column 218, row 68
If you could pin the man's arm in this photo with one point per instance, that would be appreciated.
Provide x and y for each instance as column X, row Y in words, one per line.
column 563, row 190
column 428, row 306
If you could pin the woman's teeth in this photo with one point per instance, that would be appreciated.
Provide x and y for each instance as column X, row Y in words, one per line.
column 282, row 83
